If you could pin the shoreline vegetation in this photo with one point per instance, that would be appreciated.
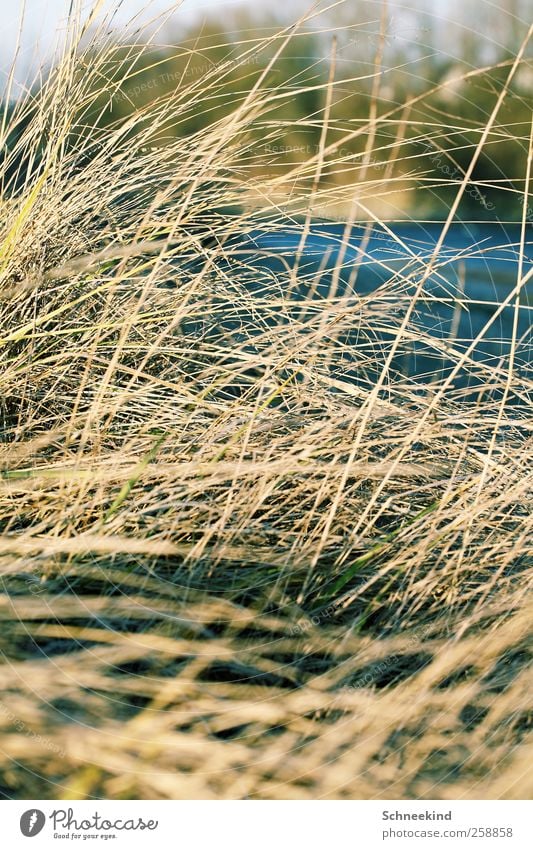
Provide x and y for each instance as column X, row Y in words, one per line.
column 229, row 571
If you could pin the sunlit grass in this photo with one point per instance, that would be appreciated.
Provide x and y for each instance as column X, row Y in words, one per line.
column 186, row 464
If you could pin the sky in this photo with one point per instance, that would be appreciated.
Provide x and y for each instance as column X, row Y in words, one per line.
column 39, row 23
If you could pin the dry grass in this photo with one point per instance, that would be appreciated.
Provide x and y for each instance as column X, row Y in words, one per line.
column 225, row 571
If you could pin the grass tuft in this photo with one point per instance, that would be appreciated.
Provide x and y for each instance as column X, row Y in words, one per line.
column 240, row 554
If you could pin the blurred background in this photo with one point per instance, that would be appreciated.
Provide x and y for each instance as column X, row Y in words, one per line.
column 403, row 73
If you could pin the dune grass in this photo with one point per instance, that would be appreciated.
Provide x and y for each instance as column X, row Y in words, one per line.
column 227, row 572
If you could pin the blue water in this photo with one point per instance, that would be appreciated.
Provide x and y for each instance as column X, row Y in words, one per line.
column 476, row 270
